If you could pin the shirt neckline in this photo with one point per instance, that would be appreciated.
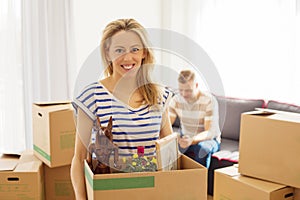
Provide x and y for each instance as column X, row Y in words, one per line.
column 142, row 106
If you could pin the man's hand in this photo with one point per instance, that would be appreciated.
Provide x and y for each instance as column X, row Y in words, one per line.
column 185, row 141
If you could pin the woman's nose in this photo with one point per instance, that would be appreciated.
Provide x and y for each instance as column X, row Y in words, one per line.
column 127, row 56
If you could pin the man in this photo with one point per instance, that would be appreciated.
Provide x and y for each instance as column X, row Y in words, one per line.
column 198, row 114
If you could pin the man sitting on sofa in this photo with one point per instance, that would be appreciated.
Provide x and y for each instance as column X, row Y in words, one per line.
column 200, row 135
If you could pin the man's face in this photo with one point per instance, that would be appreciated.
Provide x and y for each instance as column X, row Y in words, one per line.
column 188, row 90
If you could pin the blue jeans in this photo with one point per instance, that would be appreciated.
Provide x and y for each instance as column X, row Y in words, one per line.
column 202, row 151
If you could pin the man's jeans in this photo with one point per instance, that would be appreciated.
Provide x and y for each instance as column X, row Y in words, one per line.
column 202, row 151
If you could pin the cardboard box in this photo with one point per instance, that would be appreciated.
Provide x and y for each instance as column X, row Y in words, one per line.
column 190, row 182
column 21, row 178
column 58, row 184
column 53, row 133
column 270, row 146
column 229, row 184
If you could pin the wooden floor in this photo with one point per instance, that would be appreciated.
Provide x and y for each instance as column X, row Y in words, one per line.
column 209, row 197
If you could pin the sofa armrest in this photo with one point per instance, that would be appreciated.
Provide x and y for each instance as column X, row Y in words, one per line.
column 276, row 105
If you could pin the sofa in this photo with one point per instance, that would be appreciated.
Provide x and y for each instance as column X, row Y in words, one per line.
column 230, row 110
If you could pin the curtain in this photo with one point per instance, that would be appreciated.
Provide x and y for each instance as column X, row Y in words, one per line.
column 253, row 43
column 45, row 69
column 12, row 118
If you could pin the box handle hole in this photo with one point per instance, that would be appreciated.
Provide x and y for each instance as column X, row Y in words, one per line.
column 288, row 195
column 40, row 114
column 13, row 179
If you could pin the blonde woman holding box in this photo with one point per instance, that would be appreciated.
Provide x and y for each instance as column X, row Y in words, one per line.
column 126, row 93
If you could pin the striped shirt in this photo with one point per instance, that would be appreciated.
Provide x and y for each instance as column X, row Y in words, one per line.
column 193, row 115
column 132, row 127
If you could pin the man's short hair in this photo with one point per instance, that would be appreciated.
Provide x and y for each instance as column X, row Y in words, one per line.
column 185, row 76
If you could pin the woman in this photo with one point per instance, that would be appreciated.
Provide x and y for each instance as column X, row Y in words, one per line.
column 136, row 105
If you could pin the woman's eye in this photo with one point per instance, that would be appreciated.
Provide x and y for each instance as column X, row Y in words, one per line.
column 119, row 51
column 134, row 50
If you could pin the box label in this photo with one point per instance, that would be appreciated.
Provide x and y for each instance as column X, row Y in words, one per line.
column 67, row 141
column 63, row 188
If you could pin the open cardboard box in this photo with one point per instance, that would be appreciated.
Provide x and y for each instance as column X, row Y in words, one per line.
column 229, row 184
column 53, row 132
column 270, row 146
column 188, row 182
column 21, row 178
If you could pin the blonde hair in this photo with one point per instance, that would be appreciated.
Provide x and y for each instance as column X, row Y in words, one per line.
column 186, row 76
column 148, row 90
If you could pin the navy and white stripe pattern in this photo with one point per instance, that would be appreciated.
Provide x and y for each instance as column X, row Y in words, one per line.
column 132, row 127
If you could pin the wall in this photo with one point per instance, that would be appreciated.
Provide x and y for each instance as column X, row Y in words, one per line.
column 253, row 56
column 91, row 17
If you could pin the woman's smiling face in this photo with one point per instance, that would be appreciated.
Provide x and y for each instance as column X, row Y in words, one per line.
column 126, row 52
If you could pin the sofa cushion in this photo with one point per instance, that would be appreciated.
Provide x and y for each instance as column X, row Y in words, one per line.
column 283, row 106
column 230, row 110
column 229, row 145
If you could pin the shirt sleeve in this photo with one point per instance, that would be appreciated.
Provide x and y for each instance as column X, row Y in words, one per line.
column 167, row 96
column 214, row 131
column 209, row 109
column 172, row 106
column 86, row 102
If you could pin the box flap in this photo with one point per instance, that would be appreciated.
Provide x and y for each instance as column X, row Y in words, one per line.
column 229, row 171
column 262, row 185
column 272, row 111
column 28, row 162
column 259, row 112
column 51, row 103
column 8, row 165
column 8, row 162
column 31, row 166
column 267, row 110
column 51, row 106
column 286, row 117
column 279, row 115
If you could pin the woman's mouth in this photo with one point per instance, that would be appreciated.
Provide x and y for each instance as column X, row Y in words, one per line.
column 128, row 67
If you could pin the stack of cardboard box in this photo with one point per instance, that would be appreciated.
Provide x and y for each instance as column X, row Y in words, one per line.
column 43, row 173
column 53, row 143
column 269, row 167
